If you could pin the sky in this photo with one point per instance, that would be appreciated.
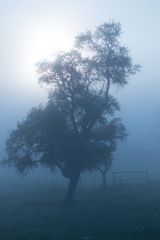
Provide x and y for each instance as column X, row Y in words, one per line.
column 35, row 29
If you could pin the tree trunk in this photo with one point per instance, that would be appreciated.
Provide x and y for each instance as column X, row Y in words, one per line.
column 72, row 187
column 104, row 180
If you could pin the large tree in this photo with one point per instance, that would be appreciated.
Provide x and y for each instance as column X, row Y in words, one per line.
column 71, row 132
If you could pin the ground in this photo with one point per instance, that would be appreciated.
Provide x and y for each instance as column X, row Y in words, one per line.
column 122, row 212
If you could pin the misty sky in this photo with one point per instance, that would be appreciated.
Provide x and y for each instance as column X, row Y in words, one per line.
column 34, row 29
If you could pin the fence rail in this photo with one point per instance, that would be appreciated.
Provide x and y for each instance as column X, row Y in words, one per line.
column 120, row 177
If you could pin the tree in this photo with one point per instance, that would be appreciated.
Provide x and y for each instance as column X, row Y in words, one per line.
column 70, row 130
column 115, row 131
column 36, row 139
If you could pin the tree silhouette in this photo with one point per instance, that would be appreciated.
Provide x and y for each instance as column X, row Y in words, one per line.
column 115, row 131
column 73, row 131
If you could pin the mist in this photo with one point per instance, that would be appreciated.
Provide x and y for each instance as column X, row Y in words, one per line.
column 139, row 103
column 139, row 110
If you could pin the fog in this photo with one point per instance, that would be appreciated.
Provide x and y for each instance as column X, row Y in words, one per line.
column 32, row 206
column 139, row 100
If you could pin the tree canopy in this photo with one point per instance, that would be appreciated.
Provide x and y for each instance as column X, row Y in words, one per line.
column 76, row 130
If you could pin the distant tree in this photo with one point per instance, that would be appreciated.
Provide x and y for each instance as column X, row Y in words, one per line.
column 71, row 132
column 115, row 131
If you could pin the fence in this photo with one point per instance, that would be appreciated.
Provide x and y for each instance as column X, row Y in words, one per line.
column 121, row 177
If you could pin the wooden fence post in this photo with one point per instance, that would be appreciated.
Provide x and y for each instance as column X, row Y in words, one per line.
column 122, row 179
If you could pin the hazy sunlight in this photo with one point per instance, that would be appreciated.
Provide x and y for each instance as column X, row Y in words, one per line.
column 43, row 41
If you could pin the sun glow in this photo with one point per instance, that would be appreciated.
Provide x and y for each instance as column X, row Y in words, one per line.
column 43, row 42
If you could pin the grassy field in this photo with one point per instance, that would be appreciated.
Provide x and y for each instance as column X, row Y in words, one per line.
column 124, row 212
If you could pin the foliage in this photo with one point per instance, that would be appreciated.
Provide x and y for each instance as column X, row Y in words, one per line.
column 76, row 130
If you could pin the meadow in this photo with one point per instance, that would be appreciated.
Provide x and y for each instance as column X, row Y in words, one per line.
column 122, row 212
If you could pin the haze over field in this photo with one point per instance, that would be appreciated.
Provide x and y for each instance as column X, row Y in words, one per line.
column 33, row 30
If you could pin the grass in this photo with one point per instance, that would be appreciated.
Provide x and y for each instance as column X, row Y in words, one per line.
column 124, row 212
